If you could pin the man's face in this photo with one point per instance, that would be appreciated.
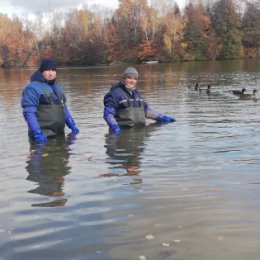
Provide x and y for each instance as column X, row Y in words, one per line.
column 49, row 74
column 130, row 82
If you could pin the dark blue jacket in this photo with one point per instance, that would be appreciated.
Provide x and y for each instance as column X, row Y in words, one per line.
column 126, row 108
column 115, row 98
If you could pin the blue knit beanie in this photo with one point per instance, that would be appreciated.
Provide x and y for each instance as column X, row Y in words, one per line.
column 48, row 64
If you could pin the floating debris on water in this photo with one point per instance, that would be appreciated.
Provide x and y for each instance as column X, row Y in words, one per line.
column 176, row 240
column 165, row 244
column 142, row 257
column 149, row 237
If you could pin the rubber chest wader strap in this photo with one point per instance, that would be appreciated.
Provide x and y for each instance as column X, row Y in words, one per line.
column 46, row 92
column 51, row 116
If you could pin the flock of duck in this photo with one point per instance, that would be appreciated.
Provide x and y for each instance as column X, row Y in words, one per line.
column 240, row 93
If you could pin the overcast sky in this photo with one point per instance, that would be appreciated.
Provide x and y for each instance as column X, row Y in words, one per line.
column 19, row 7
column 33, row 6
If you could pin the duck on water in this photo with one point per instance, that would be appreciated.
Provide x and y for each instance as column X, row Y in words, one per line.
column 239, row 92
column 207, row 90
column 195, row 87
column 248, row 96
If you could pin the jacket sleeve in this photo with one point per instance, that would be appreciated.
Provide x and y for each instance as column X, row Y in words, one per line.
column 110, row 106
column 150, row 112
column 30, row 102
column 30, row 97
column 153, row 114
column 109, row 116
column 69, row 121
column 29, row 114
column 111, row 100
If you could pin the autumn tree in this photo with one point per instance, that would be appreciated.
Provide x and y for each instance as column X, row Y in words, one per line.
column 199, row 33
column 17, row 44
column 147, row 51
column 79, row 42
column 136, row 31
column 226, row 22
column 251, row 29
column 172, row 24
column 127, row 30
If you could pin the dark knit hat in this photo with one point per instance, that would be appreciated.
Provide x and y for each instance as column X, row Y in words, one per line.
column 48, row 64
column 130, row 72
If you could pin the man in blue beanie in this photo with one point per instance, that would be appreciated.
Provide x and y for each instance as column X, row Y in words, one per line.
column 125, row 106
column 44, row 104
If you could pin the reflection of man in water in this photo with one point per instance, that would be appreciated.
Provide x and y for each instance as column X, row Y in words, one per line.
column 47, row 167
column 125, row 150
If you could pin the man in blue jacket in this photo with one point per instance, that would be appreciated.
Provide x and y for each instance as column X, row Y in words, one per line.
column 44, row 105
column 125, row 106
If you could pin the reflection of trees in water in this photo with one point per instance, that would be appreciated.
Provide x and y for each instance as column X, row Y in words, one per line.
column 125, row 150
column 15, row 80
column 47, row 167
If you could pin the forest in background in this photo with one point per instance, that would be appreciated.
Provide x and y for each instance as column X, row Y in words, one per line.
column 135, row 32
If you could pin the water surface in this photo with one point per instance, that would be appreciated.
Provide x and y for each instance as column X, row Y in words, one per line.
column 186, row 190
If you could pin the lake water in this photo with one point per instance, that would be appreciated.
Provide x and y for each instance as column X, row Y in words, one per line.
column 187, row 190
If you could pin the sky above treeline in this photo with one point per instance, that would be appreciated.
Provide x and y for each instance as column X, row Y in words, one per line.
column 20, row 7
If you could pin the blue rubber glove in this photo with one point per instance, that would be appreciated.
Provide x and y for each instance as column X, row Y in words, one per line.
column 74, row 130
column 29, row 114
column 40, row 138
column 109, row 116
column 69, row 121
column 115, row 128
column 165, row 119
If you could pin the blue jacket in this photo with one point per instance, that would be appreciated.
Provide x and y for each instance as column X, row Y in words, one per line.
column 42, row 92
column 34, row 95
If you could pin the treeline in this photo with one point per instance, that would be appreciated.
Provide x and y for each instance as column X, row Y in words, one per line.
column 135, row 32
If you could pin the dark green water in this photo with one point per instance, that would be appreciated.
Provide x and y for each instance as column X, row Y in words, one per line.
column 188, row 190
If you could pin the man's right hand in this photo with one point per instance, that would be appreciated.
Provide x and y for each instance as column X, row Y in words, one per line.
column 40, row 139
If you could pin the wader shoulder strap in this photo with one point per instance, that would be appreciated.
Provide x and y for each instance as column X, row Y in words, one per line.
column 46, row 92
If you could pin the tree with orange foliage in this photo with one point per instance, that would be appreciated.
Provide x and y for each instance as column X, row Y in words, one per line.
column 16, row 44
column 172, row 31
column 128, row 28
column 147, row 52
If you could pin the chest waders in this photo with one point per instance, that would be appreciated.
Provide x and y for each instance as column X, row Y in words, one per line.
column 51, row 116
column 133, row 114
